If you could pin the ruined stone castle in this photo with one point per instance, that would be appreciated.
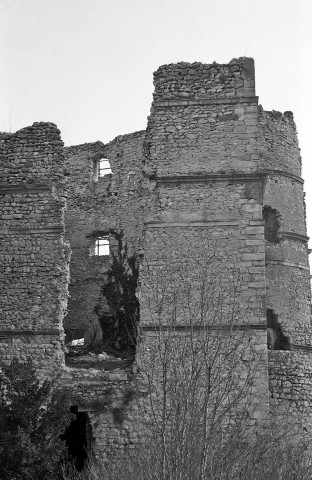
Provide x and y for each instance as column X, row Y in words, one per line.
column 214, row 180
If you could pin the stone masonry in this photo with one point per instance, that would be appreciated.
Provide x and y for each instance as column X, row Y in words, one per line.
column 211, row 190
column 34, row 254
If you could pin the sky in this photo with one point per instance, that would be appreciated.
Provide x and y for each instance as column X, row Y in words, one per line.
column 87, row 65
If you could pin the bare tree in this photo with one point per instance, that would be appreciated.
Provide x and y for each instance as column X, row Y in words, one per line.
column 206, row 414
column 201, row 364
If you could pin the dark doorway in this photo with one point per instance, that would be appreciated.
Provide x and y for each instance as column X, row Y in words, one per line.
column 77, row 437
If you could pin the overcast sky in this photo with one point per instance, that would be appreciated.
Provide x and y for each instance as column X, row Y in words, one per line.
column 87, row 65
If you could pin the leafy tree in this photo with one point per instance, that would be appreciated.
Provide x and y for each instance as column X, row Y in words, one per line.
column 32, row 418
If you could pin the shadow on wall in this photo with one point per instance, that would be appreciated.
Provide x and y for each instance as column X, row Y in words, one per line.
column 73, row 334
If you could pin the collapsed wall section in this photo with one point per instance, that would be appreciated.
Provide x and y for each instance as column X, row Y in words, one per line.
column 34, row 255
column 107, row 206
column 101, row 206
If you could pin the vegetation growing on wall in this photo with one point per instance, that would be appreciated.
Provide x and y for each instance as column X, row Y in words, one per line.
column 120, row 329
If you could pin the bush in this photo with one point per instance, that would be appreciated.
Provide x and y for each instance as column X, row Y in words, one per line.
column 32, row 418
column 267, row 458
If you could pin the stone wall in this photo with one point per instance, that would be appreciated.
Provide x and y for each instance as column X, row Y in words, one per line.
column 209, row 202
column 278, row 142
column 34, row 255
column 201, row 81
column 288, row 294
column 287, row 266
column 193, row 133
column 113, row 399
column 204, row 251
column 190, row 196
column 111, row 204
column 290, row 387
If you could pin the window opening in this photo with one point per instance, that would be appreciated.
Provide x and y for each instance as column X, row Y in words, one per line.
column 101, row 246
column 271, row 224
column 104, row 167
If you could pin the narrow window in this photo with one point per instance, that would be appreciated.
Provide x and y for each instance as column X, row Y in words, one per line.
column 271, row 224
column 101, row 246
column 104, row 167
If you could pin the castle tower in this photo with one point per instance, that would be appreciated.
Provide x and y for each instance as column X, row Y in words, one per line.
column 227, row 209
column 288, row 295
